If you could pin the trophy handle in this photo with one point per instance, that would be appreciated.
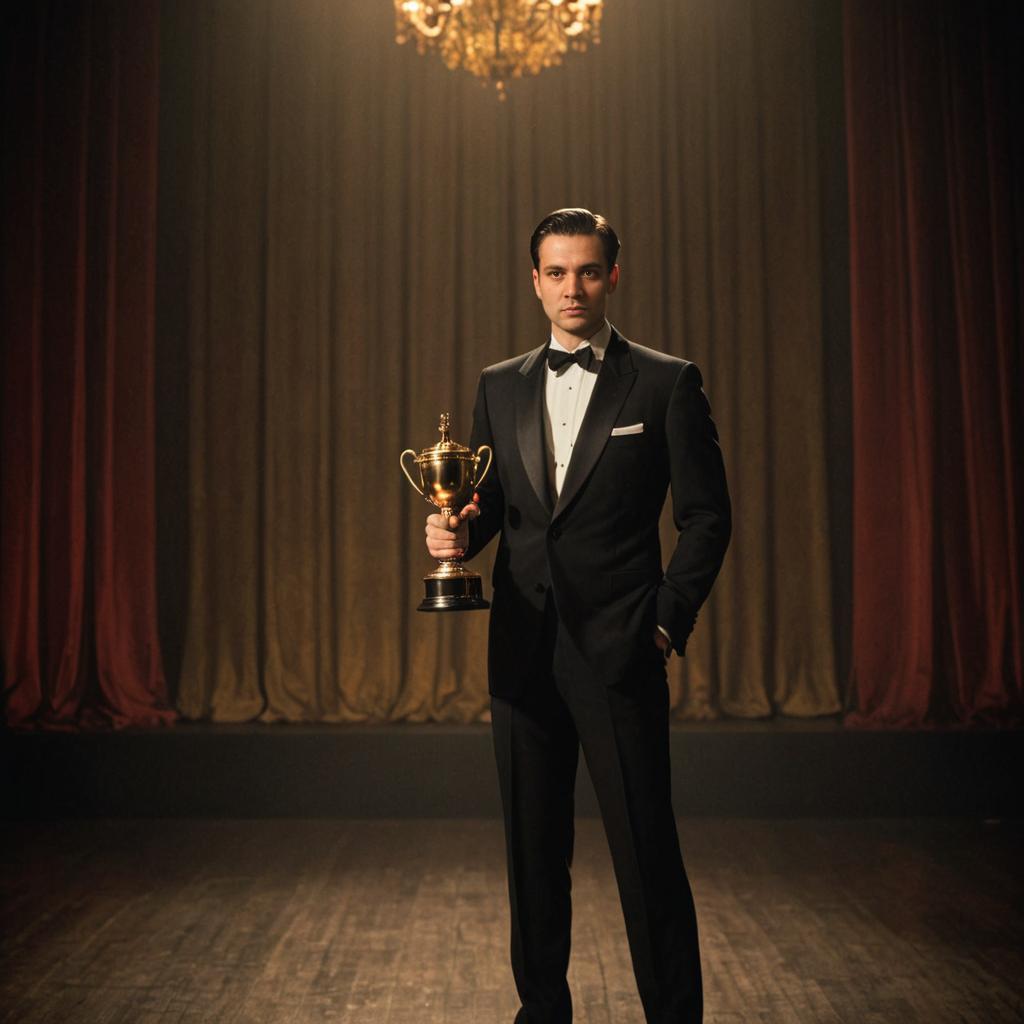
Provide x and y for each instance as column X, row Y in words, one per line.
column 487, row 468
column 401, row 461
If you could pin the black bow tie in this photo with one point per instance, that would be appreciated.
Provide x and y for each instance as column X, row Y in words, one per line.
column 559, row 360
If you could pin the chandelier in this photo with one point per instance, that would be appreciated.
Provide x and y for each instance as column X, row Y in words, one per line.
column 497, row 40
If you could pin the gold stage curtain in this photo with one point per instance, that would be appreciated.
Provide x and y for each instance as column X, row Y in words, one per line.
column 350, row 225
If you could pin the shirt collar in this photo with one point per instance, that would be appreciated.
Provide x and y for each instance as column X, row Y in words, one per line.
column 598, row 342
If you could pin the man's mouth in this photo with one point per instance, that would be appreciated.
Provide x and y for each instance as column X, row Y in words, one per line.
column 574, row 309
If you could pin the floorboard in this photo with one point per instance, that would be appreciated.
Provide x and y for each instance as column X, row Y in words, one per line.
column 404, row 922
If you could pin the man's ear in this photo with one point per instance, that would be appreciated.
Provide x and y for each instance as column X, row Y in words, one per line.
column 536, row 284
column 613, row 278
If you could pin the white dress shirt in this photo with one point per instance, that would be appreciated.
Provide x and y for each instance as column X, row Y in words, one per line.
column 566, row 397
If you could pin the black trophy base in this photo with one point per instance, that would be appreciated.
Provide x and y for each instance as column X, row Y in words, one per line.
column 462, row 592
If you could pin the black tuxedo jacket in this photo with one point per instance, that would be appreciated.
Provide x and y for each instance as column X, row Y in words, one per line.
column 597, row 548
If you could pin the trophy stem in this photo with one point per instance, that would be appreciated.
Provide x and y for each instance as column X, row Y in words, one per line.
column 451, row 563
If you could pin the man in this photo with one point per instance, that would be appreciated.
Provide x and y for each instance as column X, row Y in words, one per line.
column 589, row 430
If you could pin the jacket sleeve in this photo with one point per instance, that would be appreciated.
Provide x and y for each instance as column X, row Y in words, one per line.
column 492, row 498
column 701, row 508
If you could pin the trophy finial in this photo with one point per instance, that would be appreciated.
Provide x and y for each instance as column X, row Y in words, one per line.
column 445, row 424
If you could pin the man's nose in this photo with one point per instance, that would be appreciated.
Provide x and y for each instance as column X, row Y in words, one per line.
column 572, row 284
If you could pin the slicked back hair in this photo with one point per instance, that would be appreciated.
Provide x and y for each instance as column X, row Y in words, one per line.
column 575, row 221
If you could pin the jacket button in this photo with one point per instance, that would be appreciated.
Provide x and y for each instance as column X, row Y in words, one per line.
column 556, row 532
column 539, row 587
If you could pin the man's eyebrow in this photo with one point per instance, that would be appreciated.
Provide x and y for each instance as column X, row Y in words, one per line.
column 586, row 266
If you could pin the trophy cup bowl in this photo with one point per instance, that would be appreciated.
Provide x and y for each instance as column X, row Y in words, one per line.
column 447, row 474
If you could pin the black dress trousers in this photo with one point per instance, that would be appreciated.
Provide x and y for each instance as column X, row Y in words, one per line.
column 624, row 734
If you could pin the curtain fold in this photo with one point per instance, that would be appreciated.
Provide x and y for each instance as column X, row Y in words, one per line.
column 78, row 589
column 355, row 251
column 936, row 216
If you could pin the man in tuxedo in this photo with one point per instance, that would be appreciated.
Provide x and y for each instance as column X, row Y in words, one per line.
column 589, row 431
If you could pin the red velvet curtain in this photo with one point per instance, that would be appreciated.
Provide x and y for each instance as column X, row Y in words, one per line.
column 78, row 618
column 936, row 208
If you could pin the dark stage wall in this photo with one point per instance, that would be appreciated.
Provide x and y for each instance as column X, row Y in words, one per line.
column 729, row 769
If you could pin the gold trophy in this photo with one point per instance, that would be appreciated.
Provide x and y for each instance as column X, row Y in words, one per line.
column 447, row 479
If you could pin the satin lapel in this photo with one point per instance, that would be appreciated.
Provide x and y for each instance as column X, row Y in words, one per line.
column 530, row 422
column 613, row 384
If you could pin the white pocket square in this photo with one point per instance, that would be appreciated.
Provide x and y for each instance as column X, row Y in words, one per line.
column 633, row 428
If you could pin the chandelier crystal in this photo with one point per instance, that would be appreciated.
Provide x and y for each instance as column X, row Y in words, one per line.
column 498, row 40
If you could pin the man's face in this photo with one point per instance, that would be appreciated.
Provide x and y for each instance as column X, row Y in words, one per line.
column 573, row 285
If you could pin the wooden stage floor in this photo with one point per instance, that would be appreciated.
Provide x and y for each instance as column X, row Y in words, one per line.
column 404, row 922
